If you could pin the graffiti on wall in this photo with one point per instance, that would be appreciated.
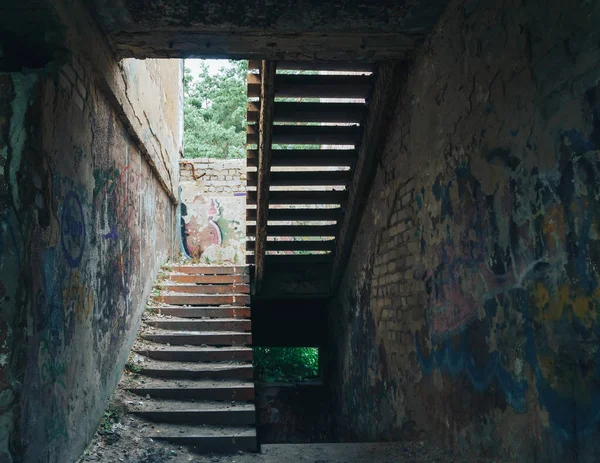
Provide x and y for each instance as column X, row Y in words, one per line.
column 212, row 228
column 512, row 280
column 72, row 231
column 54, row 373
column 78, row 298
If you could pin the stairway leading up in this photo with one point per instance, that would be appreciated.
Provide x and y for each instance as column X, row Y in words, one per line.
column 197, row 368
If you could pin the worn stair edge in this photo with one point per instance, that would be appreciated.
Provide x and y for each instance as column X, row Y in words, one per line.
column 239, row 354
column 205, row 279
column 209, row 270
column 204, row 299
column 232, row 372
column 216, row 392
column 208, row 439
column 204, row 312
column 201, row 338
column 212, row 444
column 231, row 417
column 183, row 288
column 222, row 324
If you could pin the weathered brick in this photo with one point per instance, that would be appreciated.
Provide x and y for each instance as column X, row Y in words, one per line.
column 414, row 247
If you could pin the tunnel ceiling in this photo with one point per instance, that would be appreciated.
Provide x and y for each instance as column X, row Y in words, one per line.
column 362, row 30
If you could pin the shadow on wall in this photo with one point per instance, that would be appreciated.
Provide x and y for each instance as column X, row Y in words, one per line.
column 213, row 208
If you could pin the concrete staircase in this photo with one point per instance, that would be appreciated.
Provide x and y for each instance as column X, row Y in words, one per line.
column 197, row 368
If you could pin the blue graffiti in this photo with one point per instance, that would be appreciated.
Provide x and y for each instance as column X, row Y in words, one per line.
column 569, row 419
column 112, row 234
column 454, row 362
column 561, row 349
column 72, row 229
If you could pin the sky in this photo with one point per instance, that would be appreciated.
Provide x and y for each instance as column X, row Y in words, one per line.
column 213, row 65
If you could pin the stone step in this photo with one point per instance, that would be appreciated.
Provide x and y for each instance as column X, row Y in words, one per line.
column 209, row 269
column 220, row 324
column 207, row 279
column 203, row 413
column 180, row 288
column 208, row 439
column 198, row 354
column 193, row 390
column 199, row 338
column 204, row 299
column 189, row 370
column 203, row 312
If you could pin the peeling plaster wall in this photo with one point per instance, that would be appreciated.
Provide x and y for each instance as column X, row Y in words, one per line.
column 469, row 310
column 153, row 87
column 86, row 223
column 146, row 94
column 213, row 210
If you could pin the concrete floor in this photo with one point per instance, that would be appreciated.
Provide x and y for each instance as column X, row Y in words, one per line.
column 124, row 438
column 416, row 452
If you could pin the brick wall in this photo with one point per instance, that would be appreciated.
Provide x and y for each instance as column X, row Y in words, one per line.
column 468, row 311
column 213, row 210
column 215, row 175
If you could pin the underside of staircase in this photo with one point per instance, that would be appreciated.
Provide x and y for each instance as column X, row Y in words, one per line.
column 196, row 369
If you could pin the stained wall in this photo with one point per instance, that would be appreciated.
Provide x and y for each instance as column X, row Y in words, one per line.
column 87, row 218
column 213, row 210
column 469, row 310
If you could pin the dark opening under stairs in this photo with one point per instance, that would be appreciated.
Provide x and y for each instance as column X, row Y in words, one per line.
column 196, row 372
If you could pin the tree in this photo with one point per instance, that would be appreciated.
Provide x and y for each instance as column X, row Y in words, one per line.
column 285, row 363
column 215, row 112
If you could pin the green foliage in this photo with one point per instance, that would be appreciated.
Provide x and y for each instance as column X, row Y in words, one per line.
column 286, row 363
column 215, row 112
column 132, row 367
column 111, row 416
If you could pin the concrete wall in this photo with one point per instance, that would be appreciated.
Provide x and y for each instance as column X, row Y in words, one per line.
column 213, row 210
column 468, row 313
column 87, row 218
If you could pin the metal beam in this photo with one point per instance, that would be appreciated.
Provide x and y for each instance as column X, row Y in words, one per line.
column 389, row 77
column 267, row 98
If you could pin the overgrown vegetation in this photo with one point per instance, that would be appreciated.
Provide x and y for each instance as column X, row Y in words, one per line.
column 112, row 415
column 132, row 367
column 286, row 363
column 215, row 112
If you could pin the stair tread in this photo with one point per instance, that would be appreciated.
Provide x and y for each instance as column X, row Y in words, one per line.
column 170, row 318
column 165, row 305
column 192, row 366
column 162, row 405
column 197, row 285
column 161, row 332
column 163, row 348
column 157, row 383
column 165, row 292
column 182, row 430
